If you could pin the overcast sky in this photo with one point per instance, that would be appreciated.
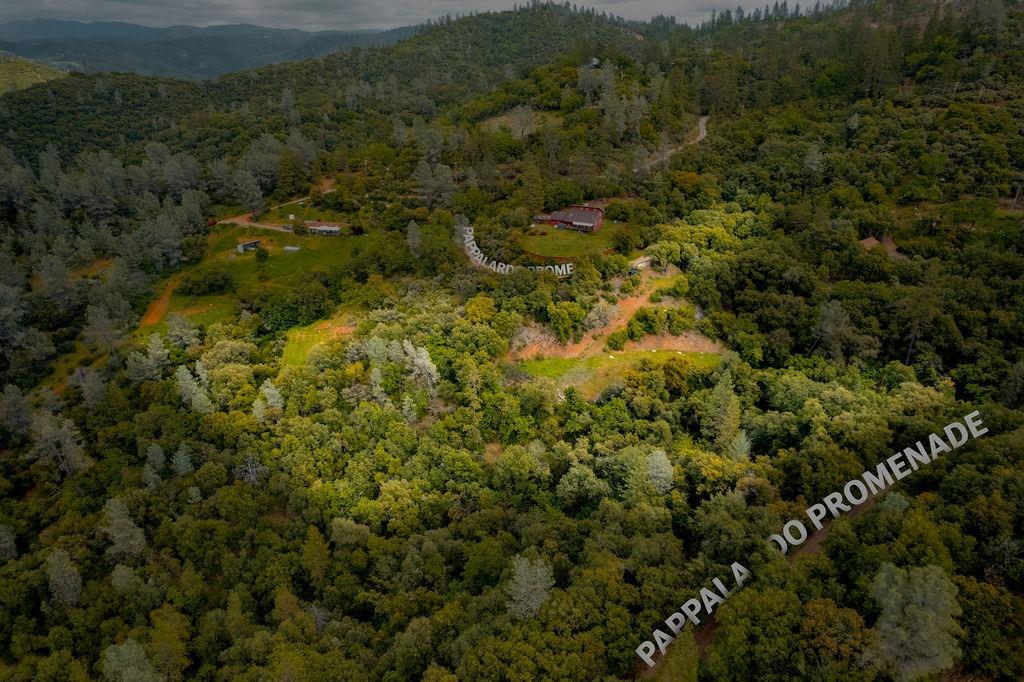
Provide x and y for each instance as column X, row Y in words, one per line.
column 317, row 14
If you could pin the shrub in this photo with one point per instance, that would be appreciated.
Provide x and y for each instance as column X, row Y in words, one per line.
column 617, row 340
column 207, row 282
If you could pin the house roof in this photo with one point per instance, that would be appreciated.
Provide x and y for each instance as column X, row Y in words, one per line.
column 869, row 242
column 576, row 215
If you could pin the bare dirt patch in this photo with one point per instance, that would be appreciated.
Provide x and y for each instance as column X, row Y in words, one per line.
column 687, row 342
column 492, row 451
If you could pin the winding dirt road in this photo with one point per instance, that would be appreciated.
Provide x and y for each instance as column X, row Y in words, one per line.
column 594, row 342
column 662, row 157
column 245, row 220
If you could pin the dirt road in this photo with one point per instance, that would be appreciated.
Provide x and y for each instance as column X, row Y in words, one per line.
column 594, row 342
column 158, row 308
column 245, row 220
column 661, row 157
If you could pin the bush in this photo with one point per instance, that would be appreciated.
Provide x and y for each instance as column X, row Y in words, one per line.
column 207, row 282
column 617, row 340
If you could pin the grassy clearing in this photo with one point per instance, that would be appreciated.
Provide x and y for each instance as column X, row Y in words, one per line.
column 540, row 118
column 17, row 73
column 556, row 242
column 594, row 374
column 282, row 270
column 65, row 365
column 662, row 282
column 302, row 340
column 302, row 211
column 316, row 254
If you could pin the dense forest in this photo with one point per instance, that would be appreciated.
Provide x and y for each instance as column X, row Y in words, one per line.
column 182, row 500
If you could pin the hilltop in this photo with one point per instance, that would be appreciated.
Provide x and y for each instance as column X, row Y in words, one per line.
column 17, row 72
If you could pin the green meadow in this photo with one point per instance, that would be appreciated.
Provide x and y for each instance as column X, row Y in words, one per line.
column 594, row 374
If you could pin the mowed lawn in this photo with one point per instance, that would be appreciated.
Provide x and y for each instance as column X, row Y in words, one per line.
column 282, row 270
column 557, row 242
column 592, row 375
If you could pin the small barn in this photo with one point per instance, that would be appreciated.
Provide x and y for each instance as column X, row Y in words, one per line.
column 580, row 218
column 247, row 245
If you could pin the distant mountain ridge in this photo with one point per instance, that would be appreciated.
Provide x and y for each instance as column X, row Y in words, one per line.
column 188, row 52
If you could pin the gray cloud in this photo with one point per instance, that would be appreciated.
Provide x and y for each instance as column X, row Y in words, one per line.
column 318, row 14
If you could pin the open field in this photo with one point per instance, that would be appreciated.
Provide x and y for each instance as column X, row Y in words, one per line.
column 593, row 374
column 66, row 364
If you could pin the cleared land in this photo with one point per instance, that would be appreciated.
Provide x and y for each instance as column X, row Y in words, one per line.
column 556, row 242
column 281, row 271
column 302, row 212
column 302, row 340
column 589, row 366
column 594, row 342
column 526, row 126
column 593, row 374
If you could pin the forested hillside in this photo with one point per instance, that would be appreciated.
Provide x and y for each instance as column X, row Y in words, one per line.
column 177, row 51
column 342, row 458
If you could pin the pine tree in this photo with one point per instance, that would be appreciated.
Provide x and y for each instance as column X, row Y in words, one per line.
column 91, row 384
column 155, row 457
column 101, row 331
column 531, row 583
column 724, row 413
column 739, row 448
column 917, row 629
column 126, row 539
column 414, row 239
column 191, row 390
column 8, row 543
column 65, row 582
column 316, row 557
column 57, row 440
column 127, row 662
column 15, row 412
column 181, row 463
column 181, row 332
column 272, row 395
column 660, row 471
